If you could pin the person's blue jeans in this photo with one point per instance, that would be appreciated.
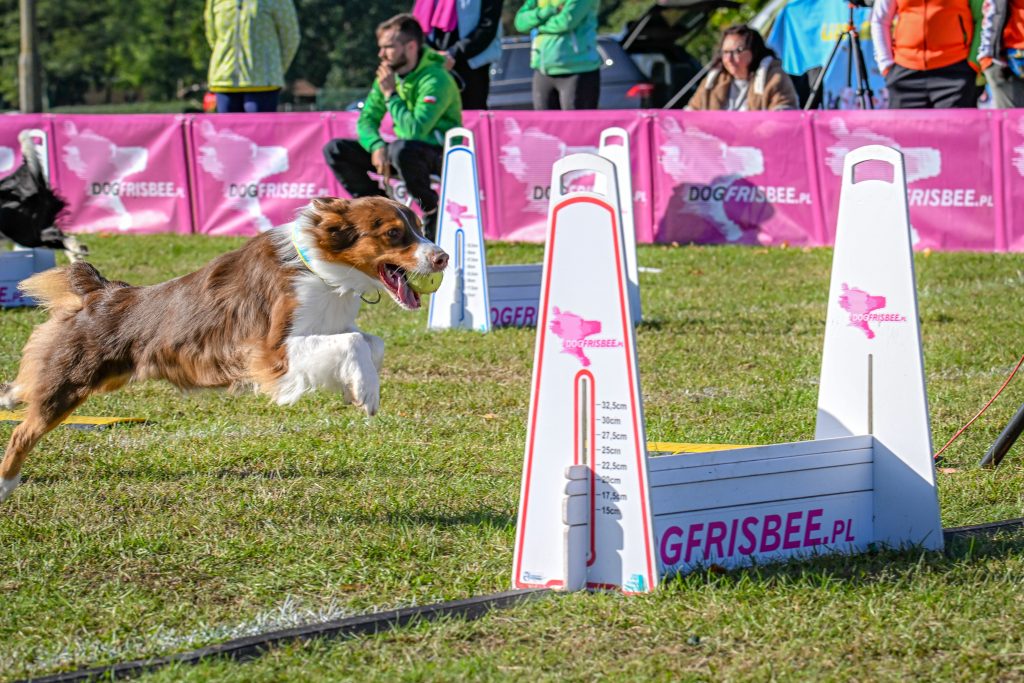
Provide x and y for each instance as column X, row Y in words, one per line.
column 248, row 102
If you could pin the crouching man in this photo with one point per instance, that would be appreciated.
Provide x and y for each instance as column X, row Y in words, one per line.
column 413, row 86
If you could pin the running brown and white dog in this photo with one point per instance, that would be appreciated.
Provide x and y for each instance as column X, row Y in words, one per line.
column 277, row 314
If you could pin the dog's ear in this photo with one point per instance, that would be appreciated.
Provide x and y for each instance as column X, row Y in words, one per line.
column 341, row 236
column 336, row 227
column 326, row 205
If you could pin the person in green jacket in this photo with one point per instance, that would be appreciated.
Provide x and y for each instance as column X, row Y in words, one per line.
column 413, row 86
column 564, row 57
column 253, row 44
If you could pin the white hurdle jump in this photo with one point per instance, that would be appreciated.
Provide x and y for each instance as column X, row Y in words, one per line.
column 596, row 512
column 478, row 296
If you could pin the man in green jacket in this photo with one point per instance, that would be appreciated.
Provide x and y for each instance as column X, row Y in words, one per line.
column 253, row 44
column 564, row 56
column 413, row 86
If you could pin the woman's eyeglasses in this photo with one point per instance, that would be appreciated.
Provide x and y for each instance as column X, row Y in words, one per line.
column 735, row 54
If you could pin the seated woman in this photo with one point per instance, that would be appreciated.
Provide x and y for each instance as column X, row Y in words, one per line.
column 746, row 76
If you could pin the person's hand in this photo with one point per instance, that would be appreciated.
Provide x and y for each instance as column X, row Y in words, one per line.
column 386, row 80
column 379, row 159
column 449, row 61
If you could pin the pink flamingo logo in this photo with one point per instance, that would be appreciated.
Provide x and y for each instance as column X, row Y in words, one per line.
column 692, row 157
column 862, row 306
column 572, row 329
column 99, row 161
column 238, row 161
column 457, row 212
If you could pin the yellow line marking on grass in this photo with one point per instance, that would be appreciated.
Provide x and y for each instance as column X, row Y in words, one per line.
column 668, row 448
column 74, row 420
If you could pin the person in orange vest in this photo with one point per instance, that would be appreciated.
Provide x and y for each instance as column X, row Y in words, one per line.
column 1002, row 51
column 925, row 59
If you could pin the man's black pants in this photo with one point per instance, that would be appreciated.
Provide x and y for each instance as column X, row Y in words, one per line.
column 411, row 160
column 943, row 88
column 475, row 85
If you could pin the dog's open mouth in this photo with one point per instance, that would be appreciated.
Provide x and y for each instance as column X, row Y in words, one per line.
column 394, row 280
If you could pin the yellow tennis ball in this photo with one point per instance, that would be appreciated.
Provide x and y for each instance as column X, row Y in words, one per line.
column 424, row 284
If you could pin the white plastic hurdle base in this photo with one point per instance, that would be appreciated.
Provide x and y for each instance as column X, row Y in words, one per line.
column 478, row 296
column 866, row 480
column 23, row 262
column 18, row 265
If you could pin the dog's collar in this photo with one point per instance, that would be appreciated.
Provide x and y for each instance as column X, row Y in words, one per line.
column 304, row 257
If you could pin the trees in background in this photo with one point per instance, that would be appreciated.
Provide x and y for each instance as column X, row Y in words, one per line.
column 139, row 47
column 154, row 50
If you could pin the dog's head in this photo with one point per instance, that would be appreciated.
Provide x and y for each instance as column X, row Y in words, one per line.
column 369, row 243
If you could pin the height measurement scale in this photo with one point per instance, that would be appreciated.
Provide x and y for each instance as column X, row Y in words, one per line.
column 586, row 348
column 462, row 300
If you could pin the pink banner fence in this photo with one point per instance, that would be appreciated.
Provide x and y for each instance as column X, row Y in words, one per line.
column 703, row 177
column 122, row 174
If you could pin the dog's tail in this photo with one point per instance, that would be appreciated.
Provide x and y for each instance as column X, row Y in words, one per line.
column 62, row 289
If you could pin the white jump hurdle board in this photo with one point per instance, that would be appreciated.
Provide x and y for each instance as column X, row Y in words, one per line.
column 18, row 265
column 867, row 478
column 475, row 295
column 771, row 502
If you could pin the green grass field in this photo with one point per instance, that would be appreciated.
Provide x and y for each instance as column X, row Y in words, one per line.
column 226, row 515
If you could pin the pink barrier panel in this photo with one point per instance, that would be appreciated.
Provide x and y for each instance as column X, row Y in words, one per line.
column 10, row 148
column 524, row 145
column 479, row 122
column 1012, row 177
column 718, row 177
column 951, row 159
column 251, row 172
column 341, row 124
column 733, row 177
column 122, row 173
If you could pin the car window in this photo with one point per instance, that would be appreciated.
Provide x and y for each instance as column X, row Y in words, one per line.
column 514, row 64
column 616, row 65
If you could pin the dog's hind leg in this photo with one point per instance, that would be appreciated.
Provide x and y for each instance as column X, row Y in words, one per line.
column 41, row 416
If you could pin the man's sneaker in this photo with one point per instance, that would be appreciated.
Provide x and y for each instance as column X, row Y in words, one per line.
column 430, row 225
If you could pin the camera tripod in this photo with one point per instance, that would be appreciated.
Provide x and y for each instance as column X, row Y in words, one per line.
column 864, row 94
column 1005, row 441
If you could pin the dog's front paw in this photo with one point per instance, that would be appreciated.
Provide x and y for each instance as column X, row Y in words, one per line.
column 364, row 392
column 369, row 402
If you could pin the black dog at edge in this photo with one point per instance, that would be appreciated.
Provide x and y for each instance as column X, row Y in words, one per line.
column 29, row 208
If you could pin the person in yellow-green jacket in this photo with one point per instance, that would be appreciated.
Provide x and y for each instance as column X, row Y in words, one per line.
column 253, row 43
column 413, row 86
column 563, row 54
